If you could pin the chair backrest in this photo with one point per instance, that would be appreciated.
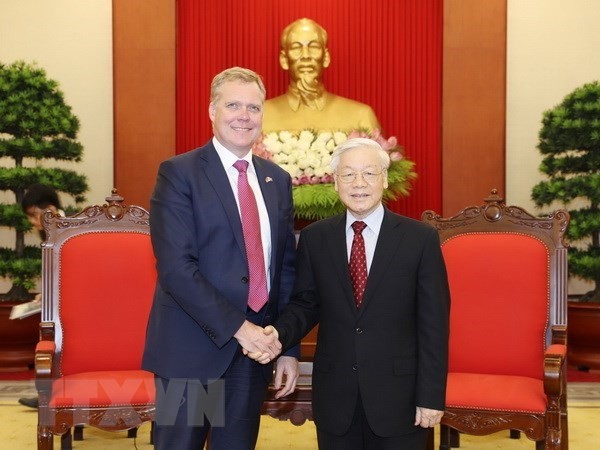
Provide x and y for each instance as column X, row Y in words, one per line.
column 98, row 280
column 507, row 276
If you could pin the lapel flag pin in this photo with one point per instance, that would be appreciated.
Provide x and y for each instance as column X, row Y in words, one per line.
column 268, row 179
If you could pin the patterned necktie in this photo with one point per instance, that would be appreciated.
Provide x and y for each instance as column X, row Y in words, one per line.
column 257, row 292
column 358, row 262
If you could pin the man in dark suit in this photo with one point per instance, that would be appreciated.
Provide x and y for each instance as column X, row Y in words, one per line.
column 380, row 296
column 212, row 299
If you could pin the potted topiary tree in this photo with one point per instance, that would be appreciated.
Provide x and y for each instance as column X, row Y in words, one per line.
column 570, row 142
column 35, row 125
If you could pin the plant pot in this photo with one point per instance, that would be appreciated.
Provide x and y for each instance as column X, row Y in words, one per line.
column 584, row 335
column 18, row 339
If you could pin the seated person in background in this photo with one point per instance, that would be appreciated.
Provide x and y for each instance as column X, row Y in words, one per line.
column 306, row 104
column 37, row 199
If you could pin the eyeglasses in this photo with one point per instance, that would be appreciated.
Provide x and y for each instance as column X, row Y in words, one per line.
column 369, row 176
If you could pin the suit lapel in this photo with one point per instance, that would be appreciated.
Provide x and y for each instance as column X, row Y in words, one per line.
column 269, row 193
column 339, row 253
column 216, row 175
column 390, row 236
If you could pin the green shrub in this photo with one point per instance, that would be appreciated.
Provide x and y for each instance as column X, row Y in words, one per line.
column 35, row 125
column 570, row 143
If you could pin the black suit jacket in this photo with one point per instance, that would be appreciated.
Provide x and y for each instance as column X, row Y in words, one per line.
column 394, row 349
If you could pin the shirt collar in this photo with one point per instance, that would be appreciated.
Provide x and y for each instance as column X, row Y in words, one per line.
column 373, row 220
column 228, row 159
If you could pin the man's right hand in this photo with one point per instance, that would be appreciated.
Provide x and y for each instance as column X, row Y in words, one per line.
column 264, row 358
column 262, row 347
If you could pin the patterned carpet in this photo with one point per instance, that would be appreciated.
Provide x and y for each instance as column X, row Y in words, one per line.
column 18, row 424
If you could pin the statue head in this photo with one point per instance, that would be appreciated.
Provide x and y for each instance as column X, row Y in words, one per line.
column 304, row 53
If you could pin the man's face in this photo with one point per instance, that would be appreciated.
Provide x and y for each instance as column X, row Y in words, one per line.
column 237, row 116
column 362, row 195
column 305, row 54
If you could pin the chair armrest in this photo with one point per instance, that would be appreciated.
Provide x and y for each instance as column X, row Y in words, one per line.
column 559, row 334
column 554, row 370
column 44, row 351
column 44, row 355
column 46, row 331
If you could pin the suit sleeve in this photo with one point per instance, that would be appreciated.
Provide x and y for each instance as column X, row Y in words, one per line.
column 173, row 233
column 288, row 269
column 433, row 309
column 302, row 312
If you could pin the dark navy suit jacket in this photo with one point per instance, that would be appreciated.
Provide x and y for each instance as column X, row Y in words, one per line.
column 202, row 289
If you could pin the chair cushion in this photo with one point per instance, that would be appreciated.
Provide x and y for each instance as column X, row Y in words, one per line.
column 115, row 273
column 495, row 392
column 499, row 286
column 103, row 389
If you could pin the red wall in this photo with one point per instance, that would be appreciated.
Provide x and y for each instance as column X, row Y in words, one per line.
column 402, row 90
column 387, row 54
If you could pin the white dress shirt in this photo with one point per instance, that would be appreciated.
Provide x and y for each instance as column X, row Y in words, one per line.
column 370, row 233
column 228, row 159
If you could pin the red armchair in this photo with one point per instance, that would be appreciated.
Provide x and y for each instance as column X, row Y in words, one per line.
column 98, row 279
column 508, row 322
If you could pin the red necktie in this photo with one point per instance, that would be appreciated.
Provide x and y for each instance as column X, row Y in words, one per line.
column 257, row 292
column 358, row 262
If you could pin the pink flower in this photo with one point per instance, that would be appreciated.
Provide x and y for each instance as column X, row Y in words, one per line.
column 357, row 133
column 396, row 156
column 304, row 180
column 392, row 142
column 260, row 149
column 376, row 135
column 387, row 144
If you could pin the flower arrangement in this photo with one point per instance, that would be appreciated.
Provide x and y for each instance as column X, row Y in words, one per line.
column 306, row 157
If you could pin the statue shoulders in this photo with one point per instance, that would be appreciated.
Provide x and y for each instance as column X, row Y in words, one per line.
column 338, row 113
column 337, row 101
column 331, row 101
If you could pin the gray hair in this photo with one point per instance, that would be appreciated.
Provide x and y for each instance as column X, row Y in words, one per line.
column 235, row 74
column 358, row 143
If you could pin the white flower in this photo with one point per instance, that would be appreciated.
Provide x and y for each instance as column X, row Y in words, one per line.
column 324, row 137
column 294, row 171
column 325, row 160
column 303, row 144
column 318, row 145
column 304, row 155
column 285, row 136
column 309, row 171
column 271, row 138
column 288, row 147
column 320, row 171
column 280, row 158
column 306, row 136
column 339, row 137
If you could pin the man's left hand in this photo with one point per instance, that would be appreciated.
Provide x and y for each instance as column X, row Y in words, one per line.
column 428, row 418
column 288, row 366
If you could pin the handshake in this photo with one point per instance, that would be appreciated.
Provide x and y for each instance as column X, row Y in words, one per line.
column 258, row 343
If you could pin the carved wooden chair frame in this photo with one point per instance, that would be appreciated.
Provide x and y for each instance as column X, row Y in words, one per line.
column 108, row 218
column 549, row 430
